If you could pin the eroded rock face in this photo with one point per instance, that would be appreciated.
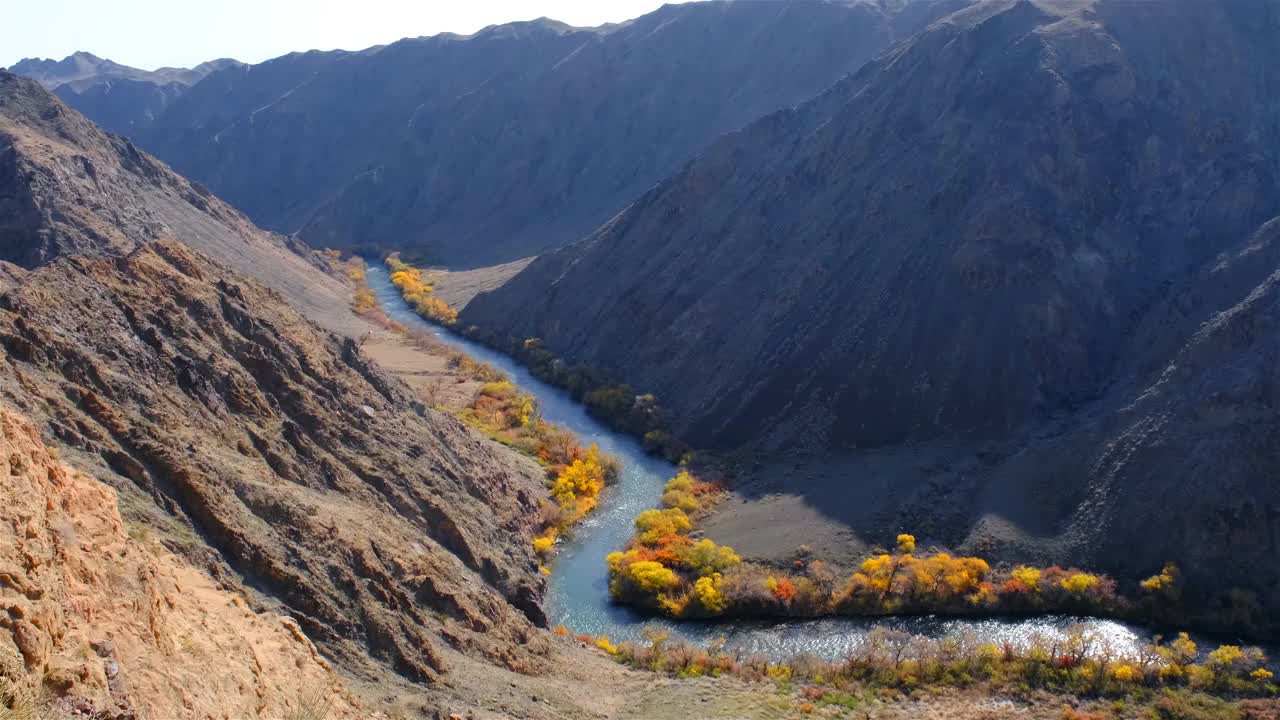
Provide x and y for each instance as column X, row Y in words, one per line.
column 115, row 624
column 280, row 459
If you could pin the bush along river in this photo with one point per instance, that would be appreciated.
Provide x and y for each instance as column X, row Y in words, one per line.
column 578, row 595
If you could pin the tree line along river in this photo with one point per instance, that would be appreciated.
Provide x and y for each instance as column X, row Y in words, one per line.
column 578, row 595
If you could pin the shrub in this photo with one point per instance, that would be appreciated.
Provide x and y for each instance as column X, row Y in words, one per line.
column 418, row 292
column 707, row 593
column 680, row 500
column 544, row 544
column 1080, row 583
column 1028, row 577
column 784, row 590
column 499, row 390
column 639, row 580
column 1187, row 706
column 705, row 557
column 652, row 525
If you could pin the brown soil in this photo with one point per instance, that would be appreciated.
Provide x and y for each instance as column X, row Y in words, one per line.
column 839, row 505
column 422, row 364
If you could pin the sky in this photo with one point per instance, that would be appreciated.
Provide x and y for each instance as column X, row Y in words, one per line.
column 181, row 33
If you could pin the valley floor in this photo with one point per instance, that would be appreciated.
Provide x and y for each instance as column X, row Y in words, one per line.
column 840, row 507
column 457, row 287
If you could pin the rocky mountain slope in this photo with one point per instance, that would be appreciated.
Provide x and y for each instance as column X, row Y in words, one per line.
column 492, row 147
column 290, row 511
column 67, row 187
column 310, row 473
column 120, row 98
column 120, row 625
column 1020, row 224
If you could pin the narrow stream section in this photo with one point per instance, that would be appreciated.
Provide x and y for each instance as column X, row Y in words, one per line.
column 579, row 593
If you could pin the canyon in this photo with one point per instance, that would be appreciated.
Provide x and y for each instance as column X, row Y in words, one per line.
column 1003, row 287
column 1003, row 274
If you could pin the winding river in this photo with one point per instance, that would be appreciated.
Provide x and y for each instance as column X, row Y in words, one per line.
column 579, row 596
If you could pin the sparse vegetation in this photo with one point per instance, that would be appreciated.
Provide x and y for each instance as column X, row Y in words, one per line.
column 617, row 405
column 1078, row 664
column 576, row 475
column 664, row 569
column 316, row 704
column 363, row 301
column 419, row 293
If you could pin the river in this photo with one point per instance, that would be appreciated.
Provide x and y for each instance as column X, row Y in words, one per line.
column 578, row 595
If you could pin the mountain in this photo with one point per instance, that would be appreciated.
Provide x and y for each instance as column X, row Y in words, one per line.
column 198, row 473
column 1040, row 230
column 492, row 147
column 206, row 400
column 120, row 98
column 68, row 188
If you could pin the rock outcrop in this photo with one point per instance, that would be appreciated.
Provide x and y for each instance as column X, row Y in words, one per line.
column 117, row 625
column 1018, row 225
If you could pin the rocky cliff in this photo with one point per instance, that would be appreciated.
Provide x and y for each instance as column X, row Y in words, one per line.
column 1020, row 221
column 495, row 146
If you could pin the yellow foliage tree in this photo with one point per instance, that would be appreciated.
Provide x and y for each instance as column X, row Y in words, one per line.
column 682, row 482
column 653, row 525
column 1080, row 583
column 418, row 292
column 706, row 558
column 707, row 591
column 1126, row 673
column 906, row 544
column 681, row 500
column 651, row 577
column 578, row 487
column 1028, row 576
column 542, row 545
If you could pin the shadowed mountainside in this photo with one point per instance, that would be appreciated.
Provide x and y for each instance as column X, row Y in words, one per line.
column 68, row 188
column 1030, row 232
column 493, row 147
column 120, row 98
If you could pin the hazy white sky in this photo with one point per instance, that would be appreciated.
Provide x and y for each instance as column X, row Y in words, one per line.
column 154, row 33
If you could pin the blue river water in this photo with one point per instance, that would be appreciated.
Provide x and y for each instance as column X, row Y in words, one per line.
column 578, row 595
